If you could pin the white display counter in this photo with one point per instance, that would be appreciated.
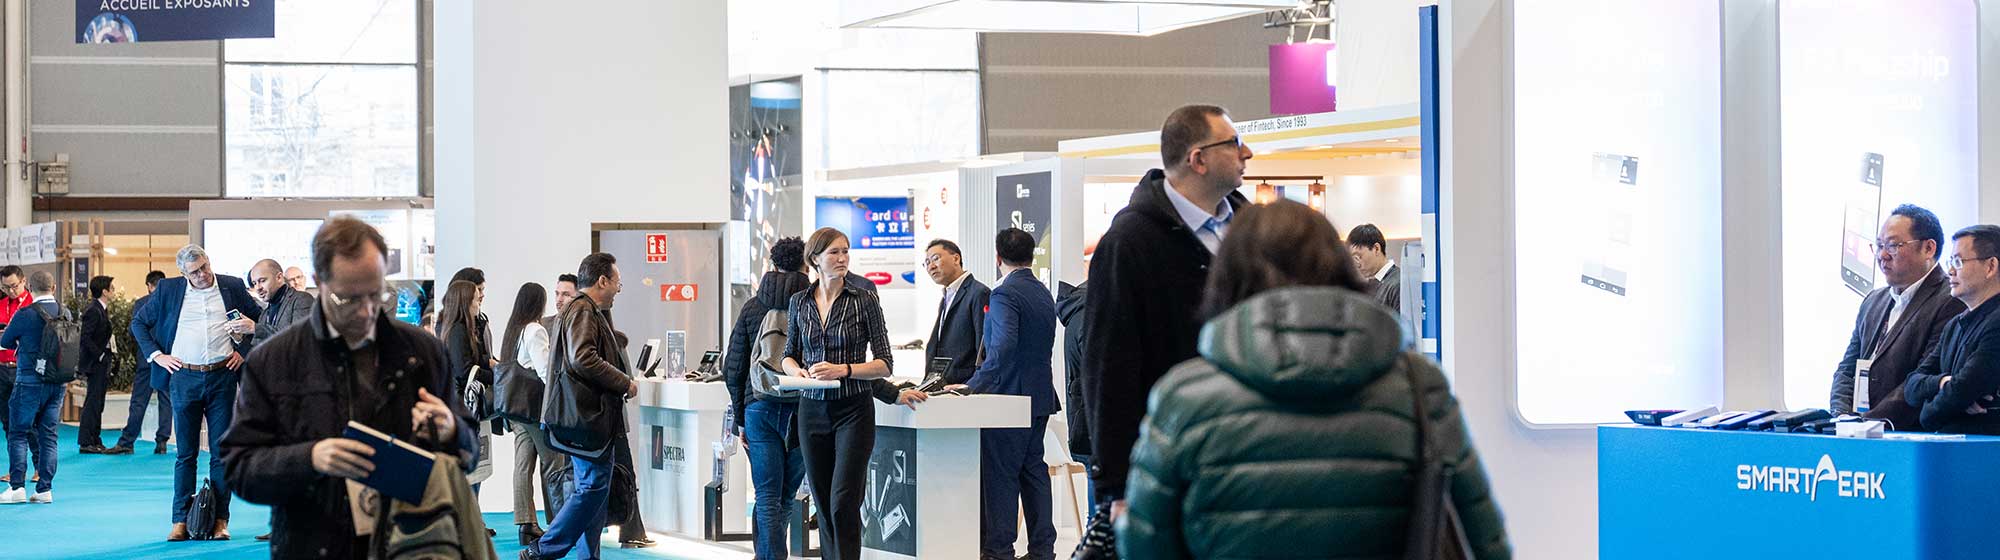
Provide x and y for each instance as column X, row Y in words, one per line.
column 675, row 429
column 935, row 515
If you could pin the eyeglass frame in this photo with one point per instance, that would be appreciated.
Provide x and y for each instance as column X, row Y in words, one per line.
column 1956, row 263
column 1897, row 247
column 1236, row 141
column 382, row 297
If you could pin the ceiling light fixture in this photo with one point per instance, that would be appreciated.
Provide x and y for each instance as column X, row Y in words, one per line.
column 1117, row 17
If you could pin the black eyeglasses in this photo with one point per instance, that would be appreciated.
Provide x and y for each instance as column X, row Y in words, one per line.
column 1236, row 141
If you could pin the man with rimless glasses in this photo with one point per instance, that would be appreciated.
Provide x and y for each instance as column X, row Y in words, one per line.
column 1953, row 389
column 1898, row 324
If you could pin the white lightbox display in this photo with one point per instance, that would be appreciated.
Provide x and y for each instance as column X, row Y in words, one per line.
column 234, row 245
column 1617, row 208
column 1879, row 110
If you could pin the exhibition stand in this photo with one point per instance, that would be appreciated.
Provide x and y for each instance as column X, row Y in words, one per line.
column 923, row 477
column 678, row 424
column 1693, row 493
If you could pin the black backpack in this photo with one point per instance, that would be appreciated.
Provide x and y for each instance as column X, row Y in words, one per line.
column 62, row 347
column 201, row 512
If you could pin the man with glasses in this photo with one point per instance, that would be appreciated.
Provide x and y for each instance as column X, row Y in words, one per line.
column 14, row 297
column 194, row 331
column 1899, row 323
column 1953, row 389
column 961, row 315
column 1147, row 279
column 351, row 361
column 296, row 277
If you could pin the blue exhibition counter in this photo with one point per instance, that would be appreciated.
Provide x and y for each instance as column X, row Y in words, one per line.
column 1693, row 493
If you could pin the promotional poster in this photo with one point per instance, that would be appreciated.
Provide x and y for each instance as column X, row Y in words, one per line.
column 880, row 236
column 1023, row 202
column 133, row 21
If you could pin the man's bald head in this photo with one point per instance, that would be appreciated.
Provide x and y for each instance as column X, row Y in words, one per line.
column 265, row 277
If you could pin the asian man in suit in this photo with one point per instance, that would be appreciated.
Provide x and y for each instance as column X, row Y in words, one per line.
column 1953, row 389
column 195, row 331
column 1020, row 345
column 961, row 315
column 1900, row 323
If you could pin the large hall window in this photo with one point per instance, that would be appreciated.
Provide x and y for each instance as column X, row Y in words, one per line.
column 328, row 108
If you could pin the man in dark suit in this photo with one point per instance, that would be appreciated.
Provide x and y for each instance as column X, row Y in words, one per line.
column 142, row 394
column 1371, row 257
column 195, row 331
column 94, row 363
column 961, row 314
column 1899, row 324
column 1953, row 389
column 1020, row 344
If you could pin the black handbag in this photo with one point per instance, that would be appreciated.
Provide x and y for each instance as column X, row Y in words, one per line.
column 518, row 393
column 201, row 512
column 1100, row 538
column 1436, row 532
column 571, row 429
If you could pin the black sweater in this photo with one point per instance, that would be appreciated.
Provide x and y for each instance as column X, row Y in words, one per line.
column 773, row 292
column 1146, row 282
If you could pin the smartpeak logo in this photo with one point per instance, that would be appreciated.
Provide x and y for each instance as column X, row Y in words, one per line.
column 1794, row 480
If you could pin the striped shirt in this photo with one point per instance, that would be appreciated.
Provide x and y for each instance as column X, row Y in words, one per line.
column 852, row 330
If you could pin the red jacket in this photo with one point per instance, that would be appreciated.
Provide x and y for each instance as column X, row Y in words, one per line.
column 8, row 307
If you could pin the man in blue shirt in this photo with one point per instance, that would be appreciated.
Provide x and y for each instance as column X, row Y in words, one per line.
column 1020, row 338
column 36, row 405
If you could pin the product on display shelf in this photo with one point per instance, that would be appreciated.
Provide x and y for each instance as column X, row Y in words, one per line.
column 1687, row 417
column 646, row 354
column 1744, row 420
column 1864, row 212
column 1650, row 417
column 675, row 359
column 707, row 372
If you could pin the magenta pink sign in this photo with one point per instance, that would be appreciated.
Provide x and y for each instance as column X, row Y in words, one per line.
column 1302, row 78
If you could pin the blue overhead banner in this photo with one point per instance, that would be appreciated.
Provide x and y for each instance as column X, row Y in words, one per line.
column 132, row 21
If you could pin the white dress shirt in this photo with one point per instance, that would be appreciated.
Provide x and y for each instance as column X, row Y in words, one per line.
column 1383, row 272
column 534, row 348
column 1902, row 301
column 201, row 335
column 1208, row 225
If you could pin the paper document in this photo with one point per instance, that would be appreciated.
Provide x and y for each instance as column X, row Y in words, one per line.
column 795, row 383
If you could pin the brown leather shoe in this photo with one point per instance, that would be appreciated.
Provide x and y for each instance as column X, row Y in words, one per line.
column 180, row 533
column 221, row 532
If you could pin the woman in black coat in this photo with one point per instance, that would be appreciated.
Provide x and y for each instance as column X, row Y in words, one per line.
column 469, row 357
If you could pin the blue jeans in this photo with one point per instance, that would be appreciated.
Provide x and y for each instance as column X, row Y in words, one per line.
column 581, row 520
column 135, row 413
column 1013, row 478
column 777, row 466
column 197, row 397
column 33, row 411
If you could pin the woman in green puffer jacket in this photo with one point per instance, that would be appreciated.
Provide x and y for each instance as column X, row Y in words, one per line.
column 1292, row 436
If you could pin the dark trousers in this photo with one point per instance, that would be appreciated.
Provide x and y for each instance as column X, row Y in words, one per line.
column 1013, row 478
column 201, row 396
column 90, row 430
column 776, row 469
column 631, row 528
column 34, row 408
column 6, row 396
column 135, row 413
column 580, row 523
column 837, row 437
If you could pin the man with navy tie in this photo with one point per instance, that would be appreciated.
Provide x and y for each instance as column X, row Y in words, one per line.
column 961, row 314
column 1020, row 344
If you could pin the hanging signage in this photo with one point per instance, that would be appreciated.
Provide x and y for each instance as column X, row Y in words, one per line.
column 132, row 21
column 1023, row 202
column 1302, row 78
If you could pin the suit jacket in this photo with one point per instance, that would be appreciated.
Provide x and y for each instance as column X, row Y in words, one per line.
column 1389, row 291
column 155, row 326
column 1020, row 344
column 96, row 338
column 960, row 334
column 1969, row 353
column 1896, row 352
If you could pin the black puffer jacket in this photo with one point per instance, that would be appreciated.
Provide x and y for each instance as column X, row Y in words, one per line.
column 1069, row 310
column 774, row 291
column 1292, row 437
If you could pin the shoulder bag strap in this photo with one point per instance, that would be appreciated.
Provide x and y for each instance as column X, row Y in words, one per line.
column 1435, row 530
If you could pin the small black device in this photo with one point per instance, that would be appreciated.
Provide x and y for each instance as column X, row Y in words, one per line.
column 645, row 355
column 1718, row 419
column 1792, row 421
column 934, row 375
column 708, row 360
column 1650, row 417
column 1764, row 424
column 1742, row 420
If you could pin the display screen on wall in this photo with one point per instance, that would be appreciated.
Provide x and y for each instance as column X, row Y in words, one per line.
column 879, row 235
column 234, row 245
column 1617, row 191
column 1024, row 202
column 1880, row 109
column 764, row 157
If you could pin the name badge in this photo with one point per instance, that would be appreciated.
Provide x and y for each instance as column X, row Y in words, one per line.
column 1861, row 369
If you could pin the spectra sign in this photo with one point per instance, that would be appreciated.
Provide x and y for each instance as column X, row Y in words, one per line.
column 1794, row 480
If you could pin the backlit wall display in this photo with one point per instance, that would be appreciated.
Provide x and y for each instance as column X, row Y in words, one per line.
column 234, row 245
column 1880, row 109
column 1617, row 208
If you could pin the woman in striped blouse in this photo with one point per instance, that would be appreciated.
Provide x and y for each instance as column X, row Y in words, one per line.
column 834, row 327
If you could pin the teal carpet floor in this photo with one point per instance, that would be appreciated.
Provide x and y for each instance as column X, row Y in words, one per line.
column 116, row 507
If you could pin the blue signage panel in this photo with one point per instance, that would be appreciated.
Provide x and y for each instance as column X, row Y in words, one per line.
column 133, row 21
column 870, row 223
column 1690, row 493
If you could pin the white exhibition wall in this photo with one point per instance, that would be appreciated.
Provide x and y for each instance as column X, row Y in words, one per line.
column 1891, row 82
column 1617, row 191
column 547, row 125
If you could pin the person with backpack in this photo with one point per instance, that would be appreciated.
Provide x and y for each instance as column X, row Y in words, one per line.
column 764, row 416
column 48, row 341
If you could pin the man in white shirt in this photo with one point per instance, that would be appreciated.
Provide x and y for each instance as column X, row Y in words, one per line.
column 1371, row 257
column 194, row 331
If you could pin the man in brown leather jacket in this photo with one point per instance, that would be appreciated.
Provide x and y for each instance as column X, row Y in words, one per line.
column 590, row 355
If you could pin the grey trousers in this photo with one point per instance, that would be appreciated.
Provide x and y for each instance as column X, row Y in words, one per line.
column 533, row 459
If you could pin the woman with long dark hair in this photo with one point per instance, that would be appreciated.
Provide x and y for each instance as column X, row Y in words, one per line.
column 467, row 355
column 1299, row 366
column 836, row 333
column 526, row 342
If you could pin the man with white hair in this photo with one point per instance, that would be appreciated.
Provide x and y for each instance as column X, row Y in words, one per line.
column 195, row 331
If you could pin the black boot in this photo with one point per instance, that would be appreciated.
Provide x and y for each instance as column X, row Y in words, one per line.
column 529, row 533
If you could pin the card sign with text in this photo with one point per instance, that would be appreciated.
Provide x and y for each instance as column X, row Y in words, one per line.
column 1023, row 201
column 133, row 21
